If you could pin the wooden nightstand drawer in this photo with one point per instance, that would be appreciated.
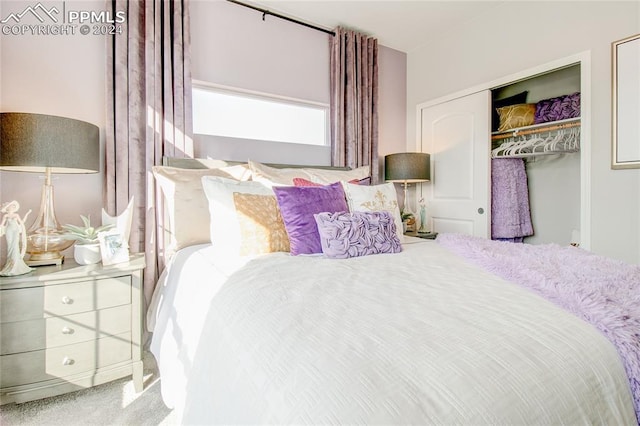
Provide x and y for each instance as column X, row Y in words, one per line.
column 64, row 299
column 38, row 366
column 52, row 332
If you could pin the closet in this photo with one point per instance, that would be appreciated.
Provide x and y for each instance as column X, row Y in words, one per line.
column 461, row 134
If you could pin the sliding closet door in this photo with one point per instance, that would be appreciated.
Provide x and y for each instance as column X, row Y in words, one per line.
column 456, row 134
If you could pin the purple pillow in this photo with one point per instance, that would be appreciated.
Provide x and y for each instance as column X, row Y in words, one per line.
column 298, row 204
column 560, row 108
column 344, row 235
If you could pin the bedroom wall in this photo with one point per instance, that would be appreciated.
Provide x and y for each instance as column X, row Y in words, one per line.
column 232, row 46
column 65, row 75
column 499, row 43
column 58, row 75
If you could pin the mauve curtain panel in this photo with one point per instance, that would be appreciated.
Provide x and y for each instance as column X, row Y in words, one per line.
column 148, row 114
column 354, row 100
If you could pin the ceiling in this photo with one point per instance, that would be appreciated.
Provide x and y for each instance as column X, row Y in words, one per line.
column 400, row 24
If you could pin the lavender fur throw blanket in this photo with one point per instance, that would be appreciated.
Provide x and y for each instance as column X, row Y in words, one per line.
column 601, row 291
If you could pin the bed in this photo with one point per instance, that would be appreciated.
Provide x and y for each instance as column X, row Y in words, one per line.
column 437, row 333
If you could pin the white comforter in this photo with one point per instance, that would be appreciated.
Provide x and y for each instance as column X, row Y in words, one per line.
column 417, row 337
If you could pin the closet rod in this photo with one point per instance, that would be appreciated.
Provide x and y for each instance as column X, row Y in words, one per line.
column 537, row 130
column 266, row 12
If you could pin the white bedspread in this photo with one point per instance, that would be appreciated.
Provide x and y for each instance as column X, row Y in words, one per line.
column 412, row 338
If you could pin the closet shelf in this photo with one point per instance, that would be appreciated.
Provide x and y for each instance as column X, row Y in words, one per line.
column 541, row 139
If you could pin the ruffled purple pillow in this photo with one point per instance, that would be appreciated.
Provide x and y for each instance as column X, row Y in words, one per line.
column 298, row 204
column 560, row 108
column 344, row 234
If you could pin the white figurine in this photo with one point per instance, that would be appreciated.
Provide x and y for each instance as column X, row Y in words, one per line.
column 423, row 218
column 13, row 226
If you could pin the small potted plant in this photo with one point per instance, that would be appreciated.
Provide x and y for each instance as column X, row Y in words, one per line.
column 408, row 221
column 86, row 250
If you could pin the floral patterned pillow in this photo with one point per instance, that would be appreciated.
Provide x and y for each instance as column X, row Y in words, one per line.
column 344, row 235
column 374, row 198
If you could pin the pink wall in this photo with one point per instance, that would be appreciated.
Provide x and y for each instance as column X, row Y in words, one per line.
column 65, row 75
column 232, row 46
column 392, row 126
column 58, row 75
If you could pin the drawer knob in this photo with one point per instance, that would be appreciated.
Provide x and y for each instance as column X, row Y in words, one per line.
column 67, row 330
column 67, row 300
column 68, row 361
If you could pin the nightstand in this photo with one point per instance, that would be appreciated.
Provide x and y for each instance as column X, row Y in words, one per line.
column 69, row 327
column 426, row 236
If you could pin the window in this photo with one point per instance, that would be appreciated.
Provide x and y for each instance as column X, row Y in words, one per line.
column 244, row 115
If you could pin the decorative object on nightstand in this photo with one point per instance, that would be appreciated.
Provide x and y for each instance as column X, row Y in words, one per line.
column 423, row 217
column 12, row 225
column 406, row 168
column 423, row 235
column 86, row 250
column 47, row 144
column 69, row 327
column 408, row 221
column 113, row 247
column 122, row 222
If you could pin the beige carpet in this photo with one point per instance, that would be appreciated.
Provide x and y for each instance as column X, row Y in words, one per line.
column 114, row 403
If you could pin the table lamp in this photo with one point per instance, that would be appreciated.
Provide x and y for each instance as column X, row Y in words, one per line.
column 39, row 143
column 406, row 168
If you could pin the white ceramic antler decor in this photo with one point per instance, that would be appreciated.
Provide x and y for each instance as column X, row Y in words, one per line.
column 122, row 221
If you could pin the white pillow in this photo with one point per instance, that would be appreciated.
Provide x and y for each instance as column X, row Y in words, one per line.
column 272, row 176
column 185, row 205
column 225, row 232
column 331, row 176
column 375, row 198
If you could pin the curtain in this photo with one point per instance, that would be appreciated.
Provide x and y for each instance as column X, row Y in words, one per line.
column 148, row 114
column 354, row 100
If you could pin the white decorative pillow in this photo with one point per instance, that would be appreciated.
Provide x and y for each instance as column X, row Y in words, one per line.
column 270, row 176
column 375, row 198
column 225, row 230
column 331, row 176
column 238, row 171
column 185, row 204
column 273, row 176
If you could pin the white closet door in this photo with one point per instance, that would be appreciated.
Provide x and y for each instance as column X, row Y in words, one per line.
column 456, row 133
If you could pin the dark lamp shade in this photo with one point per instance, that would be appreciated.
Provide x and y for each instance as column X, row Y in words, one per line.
column 35, row 142
column 409, row 167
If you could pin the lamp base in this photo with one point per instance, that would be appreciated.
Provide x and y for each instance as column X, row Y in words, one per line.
column 44, row 259
column 45, row 238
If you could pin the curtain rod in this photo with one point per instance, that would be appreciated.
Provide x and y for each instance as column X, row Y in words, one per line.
column 266, row 12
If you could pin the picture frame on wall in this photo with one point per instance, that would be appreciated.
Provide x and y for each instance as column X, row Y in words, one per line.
column 113, row 247
column 625, row 121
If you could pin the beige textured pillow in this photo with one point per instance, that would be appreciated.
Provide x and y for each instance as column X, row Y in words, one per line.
column 261, row 226
column 519, row 115
column 185, row 204
column 272, row 176
column 375, row 198
column 225, row 224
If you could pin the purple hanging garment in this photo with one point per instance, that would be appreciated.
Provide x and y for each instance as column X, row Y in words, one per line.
column 510, row 214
